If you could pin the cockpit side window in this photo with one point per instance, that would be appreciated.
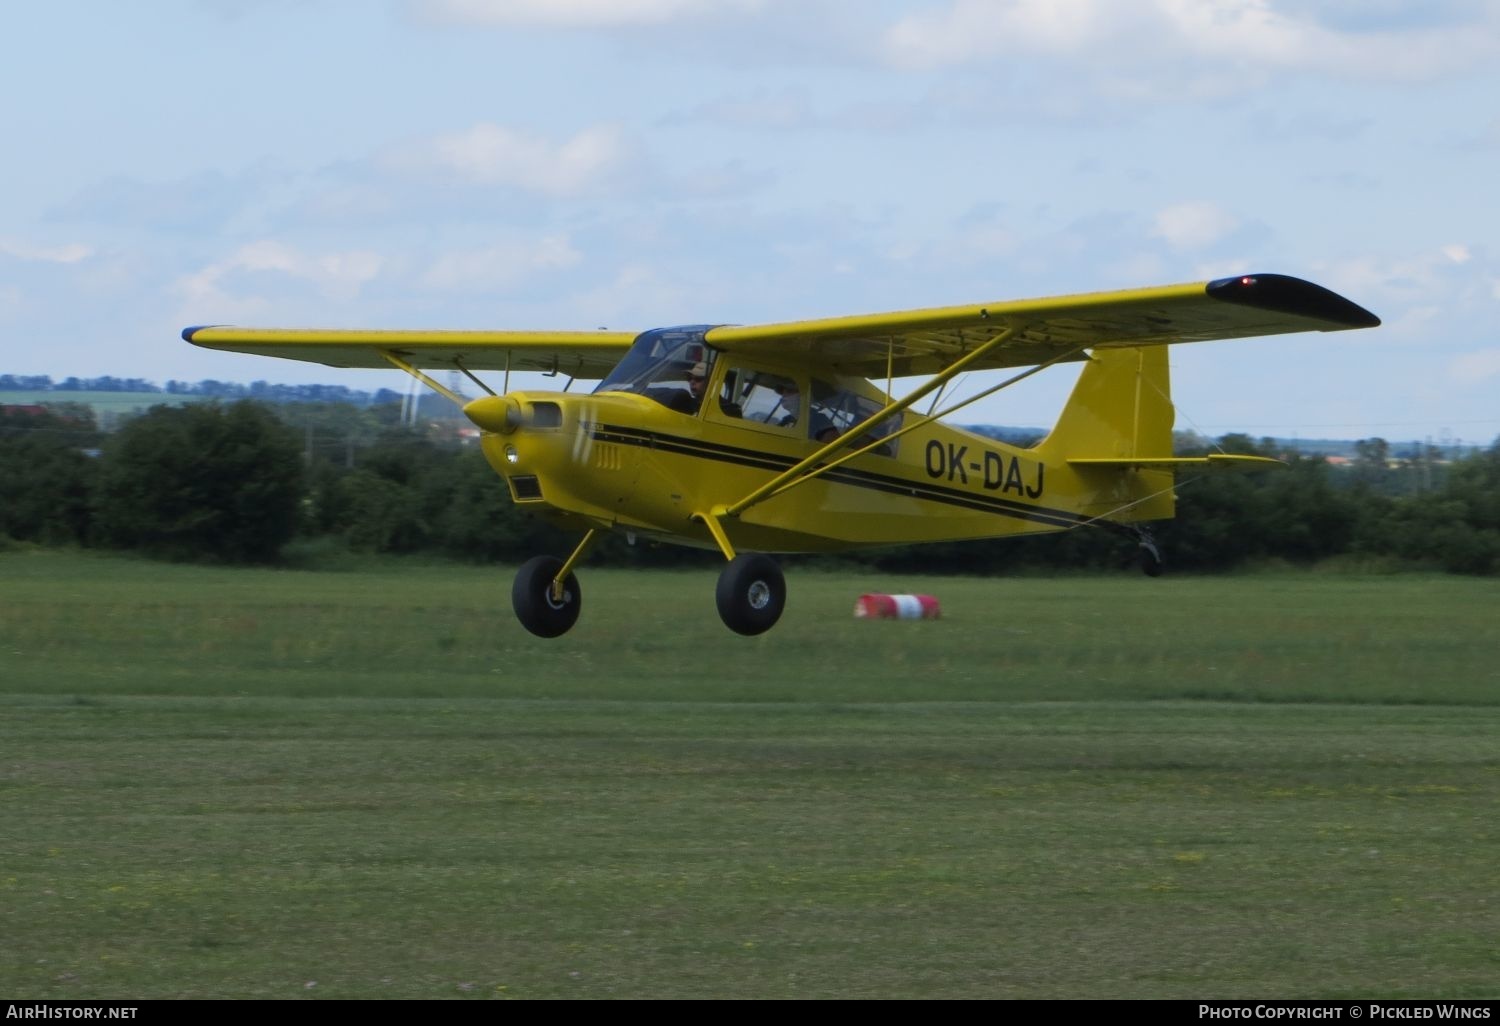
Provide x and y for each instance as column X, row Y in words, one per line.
column 761, row 397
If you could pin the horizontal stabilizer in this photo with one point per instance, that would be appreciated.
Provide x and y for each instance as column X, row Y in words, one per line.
column 1213, row 461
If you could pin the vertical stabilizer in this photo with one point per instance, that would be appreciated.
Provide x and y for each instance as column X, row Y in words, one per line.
column 1121, row 408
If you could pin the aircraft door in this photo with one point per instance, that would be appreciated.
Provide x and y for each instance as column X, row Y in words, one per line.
column 759, row 399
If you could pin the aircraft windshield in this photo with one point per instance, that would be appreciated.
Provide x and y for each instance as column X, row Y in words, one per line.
column 669, row 365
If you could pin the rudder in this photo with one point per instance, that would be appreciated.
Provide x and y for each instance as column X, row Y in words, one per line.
column 1120, row 411
column 1121, row 407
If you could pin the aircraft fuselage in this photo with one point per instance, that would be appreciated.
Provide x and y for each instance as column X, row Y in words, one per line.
column 626, row 462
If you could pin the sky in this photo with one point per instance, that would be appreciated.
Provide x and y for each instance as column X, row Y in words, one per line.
column 575, row 164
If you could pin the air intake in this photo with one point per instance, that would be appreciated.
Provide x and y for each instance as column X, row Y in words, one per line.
column 525, row 489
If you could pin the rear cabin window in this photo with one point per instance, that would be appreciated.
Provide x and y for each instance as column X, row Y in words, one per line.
column 836, row 410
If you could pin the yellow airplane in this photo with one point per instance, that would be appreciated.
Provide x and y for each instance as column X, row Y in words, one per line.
column 773, row 438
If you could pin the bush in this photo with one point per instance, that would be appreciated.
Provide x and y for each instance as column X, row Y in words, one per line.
column 202, row 482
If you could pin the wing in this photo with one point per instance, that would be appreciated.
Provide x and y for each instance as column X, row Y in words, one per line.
column 581, row 354
column 926, row 341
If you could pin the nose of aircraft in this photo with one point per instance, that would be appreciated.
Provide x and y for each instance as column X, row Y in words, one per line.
column 495, row 413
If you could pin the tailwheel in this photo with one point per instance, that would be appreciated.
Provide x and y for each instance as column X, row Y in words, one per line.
column 536, row 607
column 1151, row 561
column 751, row 594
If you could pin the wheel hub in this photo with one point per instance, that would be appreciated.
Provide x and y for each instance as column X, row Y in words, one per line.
column 759, row 594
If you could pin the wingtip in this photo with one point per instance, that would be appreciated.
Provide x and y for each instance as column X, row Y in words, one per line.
column 1285, row 294
column 189, row 332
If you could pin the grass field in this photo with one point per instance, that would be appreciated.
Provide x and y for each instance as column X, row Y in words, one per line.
column 240, row 783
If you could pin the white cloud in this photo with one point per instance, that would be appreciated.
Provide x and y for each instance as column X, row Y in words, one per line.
column 71, row 253
column 577, row 13
column 1414, row 279
column 492, row 155
column 1193, row 224
column 1269, row 35
column 640, row 295
column 976, row 29
column 336, row 275
column 1246, row 30
column 500, row 266
column 1473, row 368
column 1255, row 31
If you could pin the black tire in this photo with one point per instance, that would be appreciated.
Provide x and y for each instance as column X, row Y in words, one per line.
column 751, row 594
column 1151, row 562
column 531, row 596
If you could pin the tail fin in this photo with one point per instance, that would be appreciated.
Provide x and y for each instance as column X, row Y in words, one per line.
column 1121, row 408
column 1114, row 436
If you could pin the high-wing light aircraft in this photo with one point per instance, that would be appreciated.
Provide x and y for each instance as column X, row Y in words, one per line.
column 775, row 438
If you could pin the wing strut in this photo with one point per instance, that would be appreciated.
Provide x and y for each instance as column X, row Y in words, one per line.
column 798, row 472
column 459, row 363
column 400, row 364
column 887, row 439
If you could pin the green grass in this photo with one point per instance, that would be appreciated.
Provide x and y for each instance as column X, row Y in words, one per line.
column 238, row 783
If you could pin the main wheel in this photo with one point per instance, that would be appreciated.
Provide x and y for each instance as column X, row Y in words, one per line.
column 751, row 594
column 531, row 595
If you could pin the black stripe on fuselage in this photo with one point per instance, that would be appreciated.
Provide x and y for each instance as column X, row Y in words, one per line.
column 762, row 460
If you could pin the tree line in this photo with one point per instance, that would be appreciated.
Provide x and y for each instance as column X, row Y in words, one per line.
column 239, row 482
column 208, row 388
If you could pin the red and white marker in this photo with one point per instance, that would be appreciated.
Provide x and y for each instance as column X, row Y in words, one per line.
column 897, row 607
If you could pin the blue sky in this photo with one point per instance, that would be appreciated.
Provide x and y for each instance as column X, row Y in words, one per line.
column 634, row 163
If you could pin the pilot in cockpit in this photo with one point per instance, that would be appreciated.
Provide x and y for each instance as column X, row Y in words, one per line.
column 697, row 382
column 820, row 429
